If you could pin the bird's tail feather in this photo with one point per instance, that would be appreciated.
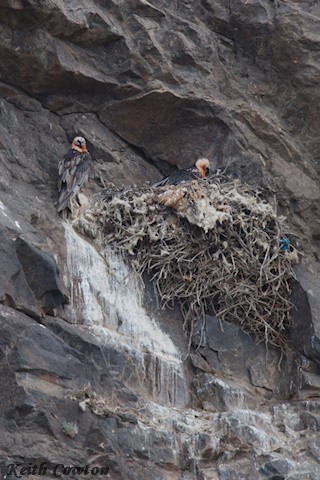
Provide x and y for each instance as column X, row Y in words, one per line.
column 63, row 200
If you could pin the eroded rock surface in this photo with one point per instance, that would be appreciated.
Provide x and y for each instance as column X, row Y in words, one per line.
column 153, row 86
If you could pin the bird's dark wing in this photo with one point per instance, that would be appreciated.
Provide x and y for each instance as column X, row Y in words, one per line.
column 179, row 176
column 73, row 173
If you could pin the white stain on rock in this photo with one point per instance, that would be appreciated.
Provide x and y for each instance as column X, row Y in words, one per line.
column 107, row 297
column 7, row 217
column 106, row 293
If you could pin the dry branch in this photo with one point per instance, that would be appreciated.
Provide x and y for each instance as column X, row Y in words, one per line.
column 212, row 246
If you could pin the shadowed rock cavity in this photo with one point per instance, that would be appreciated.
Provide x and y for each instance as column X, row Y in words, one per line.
column 41, row 273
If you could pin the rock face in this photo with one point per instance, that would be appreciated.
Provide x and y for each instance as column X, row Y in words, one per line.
column 92, row 373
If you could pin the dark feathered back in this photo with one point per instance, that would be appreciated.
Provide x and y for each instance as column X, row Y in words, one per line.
column 178, row 176
column 73, row 173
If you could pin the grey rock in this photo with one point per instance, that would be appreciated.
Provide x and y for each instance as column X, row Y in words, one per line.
column 230, row 351
column 219, row 394
column 153, row 86
column 314, row 449
column 41, row 274
column 274, row 468
column 241, row 469
column 200, row 363
column 31, row 280
column 306, row 475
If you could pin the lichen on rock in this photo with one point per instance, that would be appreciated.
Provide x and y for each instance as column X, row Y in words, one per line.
column 212, row 246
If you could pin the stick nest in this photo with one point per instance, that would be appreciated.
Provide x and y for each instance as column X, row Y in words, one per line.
column 213, row 246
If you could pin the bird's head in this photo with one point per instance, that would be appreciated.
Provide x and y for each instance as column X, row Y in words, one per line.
column 203, row 166
column 79, row 144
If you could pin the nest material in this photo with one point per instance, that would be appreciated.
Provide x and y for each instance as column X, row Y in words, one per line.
column 212, row 246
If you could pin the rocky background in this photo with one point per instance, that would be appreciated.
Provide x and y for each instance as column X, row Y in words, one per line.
column 92, row 373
